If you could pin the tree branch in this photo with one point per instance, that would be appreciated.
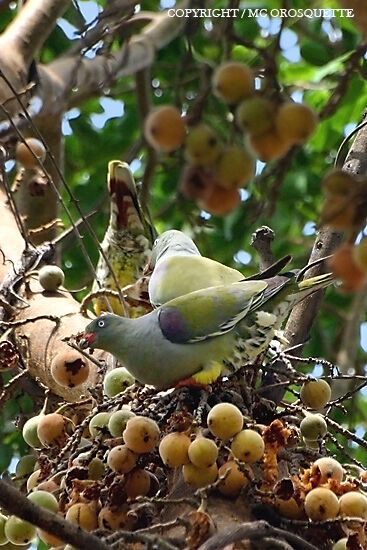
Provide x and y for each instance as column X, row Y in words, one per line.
column 252, row 531
column 300, row 322
column 31, row 27
column 11, row 242
column 89, row 76
column 15, row 503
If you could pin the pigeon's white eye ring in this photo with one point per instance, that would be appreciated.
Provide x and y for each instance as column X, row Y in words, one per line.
column 100, row 323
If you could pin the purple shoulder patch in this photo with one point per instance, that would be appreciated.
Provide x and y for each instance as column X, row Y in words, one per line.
column 173, row 325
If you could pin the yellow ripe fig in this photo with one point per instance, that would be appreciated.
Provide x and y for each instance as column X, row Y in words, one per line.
column 288, row 508
column 235, row 168
column 202, row 146
column 115, row 520
column 256, row 115
column 225, row 420
column 69, row 368
column 248, row 446
column 353, row 505
column 315, row 393
column 221, row 201
column 320, row 504
column 51, row 430
column 121, row 459
column 141, row 434
column 295, row 122
column 137, row 483
column 203, row 452
column 173, row 449
column 233, row 81
column 233, row 482
column 196, row 182
column 83, row 515
column 25, row 157
column 268, row 146
column 164, row 128
column 199, row 477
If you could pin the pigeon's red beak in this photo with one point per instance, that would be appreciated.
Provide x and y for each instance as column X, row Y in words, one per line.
column 87, row 340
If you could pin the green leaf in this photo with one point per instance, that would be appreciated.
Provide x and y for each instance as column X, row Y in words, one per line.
column 315, row 53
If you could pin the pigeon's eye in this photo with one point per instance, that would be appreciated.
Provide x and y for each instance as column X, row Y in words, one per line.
column 101, row 323
column 155, row 242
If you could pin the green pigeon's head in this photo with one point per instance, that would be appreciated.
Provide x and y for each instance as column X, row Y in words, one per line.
column 99, row 332
column 172, row 243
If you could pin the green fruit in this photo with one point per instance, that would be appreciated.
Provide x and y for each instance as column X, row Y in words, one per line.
column 202, row 145
column 341, row 544
column 311, row 444
column 235, row 168
column 96, row 469
column 18, row 531
column 25, row 465
column 51, row 277
column 256, row 115
column 315, row 394
column 313, row 427
column 30, row 432
column 44, row 500
column 118, row 420
column 3, row 537
column 116, row 381
column 32, row 481
column 99, row 424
